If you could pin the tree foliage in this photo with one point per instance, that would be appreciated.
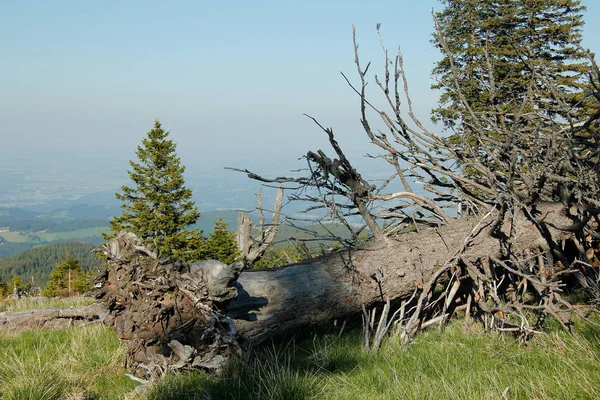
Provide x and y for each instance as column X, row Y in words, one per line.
column 8, row 249
column 159, row 207
column 221, row 244
column 508, row 46
column 17, row 283
column 38, row 262
column 4, row 290
column 67, row 278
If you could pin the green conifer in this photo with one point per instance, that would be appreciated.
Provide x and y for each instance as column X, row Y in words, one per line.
column 221, row 244
column 67, row 278
column 507, row 40
column 159, row 207
column 4, row 290
column 16, row 283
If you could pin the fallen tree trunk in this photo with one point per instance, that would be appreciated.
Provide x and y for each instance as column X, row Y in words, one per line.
column 336, row 285
column 176, row 316
column 52, row 318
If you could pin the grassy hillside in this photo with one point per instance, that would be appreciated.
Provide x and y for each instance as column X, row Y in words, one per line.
column 442, row 364
column 449, row 363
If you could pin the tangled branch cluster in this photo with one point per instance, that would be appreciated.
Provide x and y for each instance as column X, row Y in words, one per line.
column 536, row 164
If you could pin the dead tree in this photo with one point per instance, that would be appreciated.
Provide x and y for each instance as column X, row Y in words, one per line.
column 531, row 234
column 535, row 160
column 253, row 241
column 174, row 316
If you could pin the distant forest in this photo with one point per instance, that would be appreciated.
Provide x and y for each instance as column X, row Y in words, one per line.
column 10, row 248
column 39, row 261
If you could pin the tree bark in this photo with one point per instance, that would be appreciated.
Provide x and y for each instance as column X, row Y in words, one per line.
column 51, row 318
column 174, row 316
column 336, row 285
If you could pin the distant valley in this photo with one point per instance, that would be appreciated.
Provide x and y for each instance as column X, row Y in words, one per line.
column 22, row 229
column 46, row 211
column 34, row 238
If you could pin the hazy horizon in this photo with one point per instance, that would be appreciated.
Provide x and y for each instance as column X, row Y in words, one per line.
column 82, row 82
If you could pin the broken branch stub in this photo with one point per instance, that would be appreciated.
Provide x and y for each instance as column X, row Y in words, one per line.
column 254, row 241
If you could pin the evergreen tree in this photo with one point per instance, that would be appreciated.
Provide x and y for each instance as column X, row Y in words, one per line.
column 159, row 207
column 16, row 283
column 38, row 262
column 505, row 41
column 221, row 244
column 67, row 278
column 4, row 290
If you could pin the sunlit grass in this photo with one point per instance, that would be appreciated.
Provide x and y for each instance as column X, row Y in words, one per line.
column 85, row 362
column 448, row 364
column 26, row 303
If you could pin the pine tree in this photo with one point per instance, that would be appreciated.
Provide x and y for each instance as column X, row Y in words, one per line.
column 221, row 244
column 4, row 290
column 506, row 41
column 67, row 278
column 159, row 207
column 16, row 283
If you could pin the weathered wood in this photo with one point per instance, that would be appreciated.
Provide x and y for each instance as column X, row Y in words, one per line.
column 162, row 310
column 253, row 241
column 336, row 285
column 46, row 318
column 174, row 316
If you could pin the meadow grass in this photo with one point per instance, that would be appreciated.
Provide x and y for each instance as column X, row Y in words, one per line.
column 15, row 237
column 448, row 363
column 74, row 363
column 26, row 303
column 441, row 364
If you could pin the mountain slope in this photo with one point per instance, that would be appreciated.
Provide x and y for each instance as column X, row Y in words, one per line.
column 39, row 261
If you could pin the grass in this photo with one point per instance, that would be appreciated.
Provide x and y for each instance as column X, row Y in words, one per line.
column 75, row 363
column 27, row 303
column 440, row 365
column 15, row 237
column 451, row 363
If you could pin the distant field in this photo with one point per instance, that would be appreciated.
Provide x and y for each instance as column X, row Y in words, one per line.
column 47, row 237
column 15, row 237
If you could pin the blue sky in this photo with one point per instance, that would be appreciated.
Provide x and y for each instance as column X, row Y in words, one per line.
column 86, row 79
